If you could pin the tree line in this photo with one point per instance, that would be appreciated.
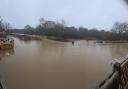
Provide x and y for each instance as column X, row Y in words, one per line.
column 119, row 31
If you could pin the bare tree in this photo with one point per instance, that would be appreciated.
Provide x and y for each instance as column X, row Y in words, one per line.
column 42, row 22
column 1, row 23
column 120, row 27
column 63, row 22
column 6, row 26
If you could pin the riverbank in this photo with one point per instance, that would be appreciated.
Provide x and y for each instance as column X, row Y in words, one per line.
column 26, row 36
column 109, row 41
column 38, row 37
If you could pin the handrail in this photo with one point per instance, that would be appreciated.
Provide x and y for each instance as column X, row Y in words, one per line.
column 119, row 78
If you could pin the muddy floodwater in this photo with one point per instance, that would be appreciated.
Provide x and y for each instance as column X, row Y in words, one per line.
column 48, row 64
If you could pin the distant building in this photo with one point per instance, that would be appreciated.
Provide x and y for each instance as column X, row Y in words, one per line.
column 60, row 25
column 49, row 24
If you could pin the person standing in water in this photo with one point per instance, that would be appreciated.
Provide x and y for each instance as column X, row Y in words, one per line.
column 73, row 42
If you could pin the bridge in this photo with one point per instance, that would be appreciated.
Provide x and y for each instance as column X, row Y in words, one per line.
column 118, row 79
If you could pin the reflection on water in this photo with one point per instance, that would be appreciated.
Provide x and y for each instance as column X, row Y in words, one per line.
column 48, row 64
column 4, row 53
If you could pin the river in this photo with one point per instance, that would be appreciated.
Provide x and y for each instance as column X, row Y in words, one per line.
column 48, row 64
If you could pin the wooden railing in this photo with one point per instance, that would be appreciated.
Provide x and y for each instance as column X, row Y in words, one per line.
column 118, row 79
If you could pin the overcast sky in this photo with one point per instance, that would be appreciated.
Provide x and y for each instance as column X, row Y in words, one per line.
column 99, row 14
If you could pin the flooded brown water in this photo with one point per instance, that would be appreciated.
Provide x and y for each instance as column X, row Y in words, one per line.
column 47, row 64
